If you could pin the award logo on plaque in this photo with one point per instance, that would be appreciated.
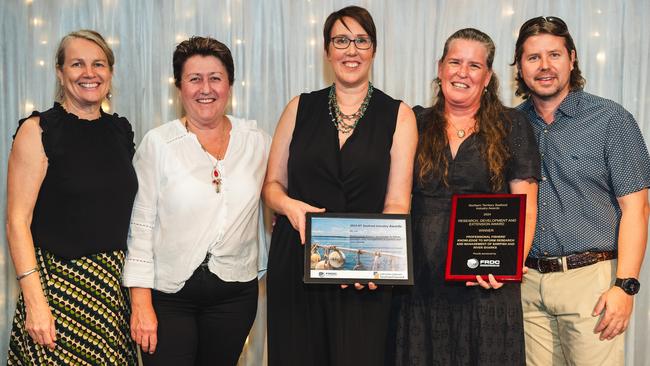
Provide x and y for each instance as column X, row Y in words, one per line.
column 486, row 235
column 349, row 248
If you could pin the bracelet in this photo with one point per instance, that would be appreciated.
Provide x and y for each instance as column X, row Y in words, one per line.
column 25, row 274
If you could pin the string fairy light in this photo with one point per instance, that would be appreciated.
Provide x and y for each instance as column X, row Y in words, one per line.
column 29, row 107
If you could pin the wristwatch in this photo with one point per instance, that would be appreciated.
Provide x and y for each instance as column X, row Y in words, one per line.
column 631, row 286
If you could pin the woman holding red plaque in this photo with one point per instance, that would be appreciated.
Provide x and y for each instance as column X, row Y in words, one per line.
column 469, row 143
column 346, row 148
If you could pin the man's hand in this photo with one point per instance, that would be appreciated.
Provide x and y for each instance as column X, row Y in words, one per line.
column 615, row 306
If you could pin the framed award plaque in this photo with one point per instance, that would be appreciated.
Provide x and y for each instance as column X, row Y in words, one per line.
column 349, row 248
column 486, row 235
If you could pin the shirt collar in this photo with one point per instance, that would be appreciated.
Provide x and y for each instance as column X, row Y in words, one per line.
column 570, row 106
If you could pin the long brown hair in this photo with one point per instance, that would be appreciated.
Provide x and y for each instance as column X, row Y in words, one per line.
column 492, row 124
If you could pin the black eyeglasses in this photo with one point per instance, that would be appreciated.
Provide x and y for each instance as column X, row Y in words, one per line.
column 541, row 20
column 343, row 42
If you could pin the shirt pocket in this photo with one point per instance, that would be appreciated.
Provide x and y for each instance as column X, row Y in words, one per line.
column 587, row 164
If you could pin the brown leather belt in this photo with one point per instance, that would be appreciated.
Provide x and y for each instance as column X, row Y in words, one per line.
column 562, row 264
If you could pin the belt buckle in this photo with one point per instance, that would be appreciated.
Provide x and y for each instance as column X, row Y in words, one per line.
column 561, row 261
column 539, row 265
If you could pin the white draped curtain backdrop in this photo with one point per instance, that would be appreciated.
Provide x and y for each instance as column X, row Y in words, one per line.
column 278, row 52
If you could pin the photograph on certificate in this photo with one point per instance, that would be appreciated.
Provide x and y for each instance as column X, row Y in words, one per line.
column 347, row 248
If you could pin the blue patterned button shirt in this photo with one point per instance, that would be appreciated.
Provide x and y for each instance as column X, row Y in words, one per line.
column 591, row 154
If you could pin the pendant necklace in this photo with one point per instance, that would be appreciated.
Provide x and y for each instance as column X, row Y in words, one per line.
column 215, row 175
column 459, row 132
column 339, row 118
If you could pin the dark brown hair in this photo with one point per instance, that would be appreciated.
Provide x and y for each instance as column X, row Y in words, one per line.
column 203, row 46
column 89, row 35
column 492, row 124
column 361, row 15
column 555, row 27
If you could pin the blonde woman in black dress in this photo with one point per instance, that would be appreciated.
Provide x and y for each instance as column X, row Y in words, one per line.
column 70, row 192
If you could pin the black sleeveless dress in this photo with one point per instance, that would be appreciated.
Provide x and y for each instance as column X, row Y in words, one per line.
column 446, row 323
column 79, row 227
column 324, row 324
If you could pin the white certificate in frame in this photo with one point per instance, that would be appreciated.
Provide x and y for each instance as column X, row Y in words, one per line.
column 348, row 248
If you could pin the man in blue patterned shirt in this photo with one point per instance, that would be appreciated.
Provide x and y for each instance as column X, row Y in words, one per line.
column 592, row 223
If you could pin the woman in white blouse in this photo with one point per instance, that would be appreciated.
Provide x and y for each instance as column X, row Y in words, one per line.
column 192, row 249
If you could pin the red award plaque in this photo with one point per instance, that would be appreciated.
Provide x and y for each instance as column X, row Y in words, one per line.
column 486, row 235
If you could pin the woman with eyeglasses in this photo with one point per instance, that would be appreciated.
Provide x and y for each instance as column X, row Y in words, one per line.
column 469, row 143
column 346, row 148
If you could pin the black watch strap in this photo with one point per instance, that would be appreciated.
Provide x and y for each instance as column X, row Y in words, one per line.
column 631, row 286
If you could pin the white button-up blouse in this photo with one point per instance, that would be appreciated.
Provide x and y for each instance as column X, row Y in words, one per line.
column 178, row 217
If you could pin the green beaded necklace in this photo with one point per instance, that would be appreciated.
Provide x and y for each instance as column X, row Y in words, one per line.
column 339, row 118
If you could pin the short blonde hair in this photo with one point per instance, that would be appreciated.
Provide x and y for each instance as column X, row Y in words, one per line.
column 86, row 34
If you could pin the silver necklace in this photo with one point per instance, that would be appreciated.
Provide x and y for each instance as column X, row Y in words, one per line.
column 339, row 118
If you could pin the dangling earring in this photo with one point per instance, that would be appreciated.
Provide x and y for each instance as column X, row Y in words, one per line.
column 109, row 96
column 485, row 90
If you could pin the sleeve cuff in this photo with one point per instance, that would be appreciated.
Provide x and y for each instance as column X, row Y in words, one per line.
column 138, row 273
